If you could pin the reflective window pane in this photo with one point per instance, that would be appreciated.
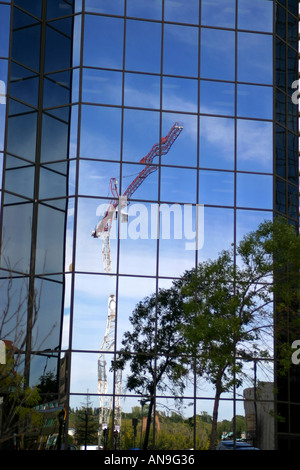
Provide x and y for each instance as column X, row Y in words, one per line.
column 56, row 40
column 216, row 142
column 182, row 11
column 26, row 47
column 21, row 138
column 218, row 13
column 54, row 145
column 255, row 101
column 102, row 6
column 180, row 42
column 184, row 149
column 140, row 134
column 255, row 58
column 94, row 178
column 217, row 54
column 24, row 85
column 142, row 91
column 103, row 42
column 50, row 240
column 254, row 145
column 217, row 98
column 143, row 46
column 20, row 180
column 178, row 185
column 254, row 191
column 180, row 94
column 100, row 132
column 216, row 188
column 101, row 86
column 4, row 29
column 144, row 9
column 16, row 251
column 255, row 15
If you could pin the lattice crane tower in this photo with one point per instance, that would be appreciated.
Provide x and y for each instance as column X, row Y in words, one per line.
column 106, row 402
column 104, row 225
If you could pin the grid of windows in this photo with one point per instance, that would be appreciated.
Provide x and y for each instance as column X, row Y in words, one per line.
column 126, row 72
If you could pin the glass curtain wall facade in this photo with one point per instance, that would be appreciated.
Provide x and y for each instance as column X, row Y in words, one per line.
column 97, row 92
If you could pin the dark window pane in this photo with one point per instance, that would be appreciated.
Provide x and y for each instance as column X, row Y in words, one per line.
column 281, row 64
column 280, row 151
column 20, row 180
column 57, row 89
column 53, row 183
column 50, row 240
column 26, row 47
column 280, row 196
column 54, row 144
column 32, row 7
column 293, row 195
column 293, row 162
column 24, row 85
column 57, row 8
column 21, row 137
column 16, row 249
column 56, row 41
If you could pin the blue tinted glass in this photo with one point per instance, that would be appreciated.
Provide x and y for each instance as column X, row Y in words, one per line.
column 102, row 86
column 145, row 9
column 57, row 8
column 217, row 98
column 180, row 94
column 254, row 145
column 255, row 15
column 57, row 41
column 25, row 89
column 142, row 90
column 255, row 191
column 32, row 7
column 255, row 58
column 100, row 132
column 217, row 54
column 216, row 142
column 143, row 46
column 218, row 13
column 180, row 50
column 54, row 145
column 26, row 47
column 182, row 11
column 103, row 42
column 115, row 7
column 21, row 138
column 216, row 188
column 255, row 101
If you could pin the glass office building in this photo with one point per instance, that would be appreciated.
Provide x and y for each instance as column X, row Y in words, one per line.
column 199, row 94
